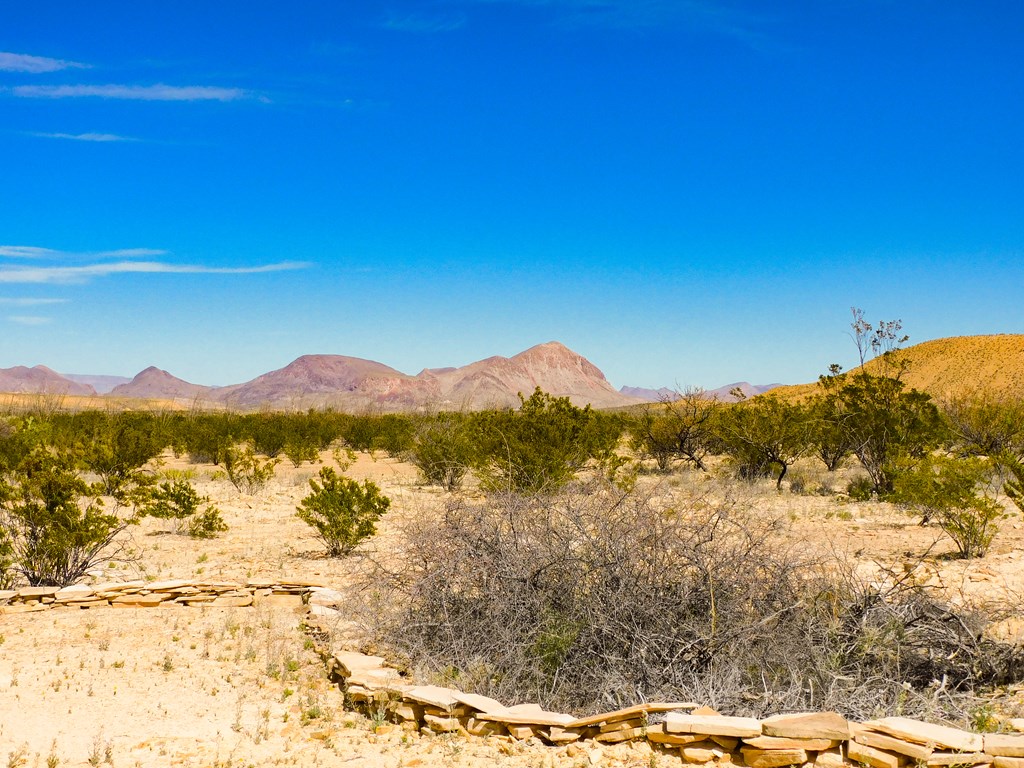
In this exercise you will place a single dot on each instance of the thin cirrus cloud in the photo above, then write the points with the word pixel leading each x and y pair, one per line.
pixel 26 301
pixel 29 319
pixel 82 274
pixel 23 62
pixel 157 92
pixel 94 137
pixel 35 252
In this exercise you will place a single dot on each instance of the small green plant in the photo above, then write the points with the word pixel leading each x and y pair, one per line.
pixel 343 511
pixel 178 501
pixel 246 471
pixel 946 489
pixel 860 488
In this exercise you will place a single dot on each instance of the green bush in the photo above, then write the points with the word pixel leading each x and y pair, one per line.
pixel 54 521
pixel 763 433
pixel 178 501
pixel 946 489
pixel 343 511
pixel 445 448
pixel 246 471
pixel 544 444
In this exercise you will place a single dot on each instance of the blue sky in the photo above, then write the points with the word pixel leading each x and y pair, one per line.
pixel 687 192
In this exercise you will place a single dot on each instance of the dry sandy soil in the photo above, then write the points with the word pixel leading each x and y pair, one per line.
pixel 241 686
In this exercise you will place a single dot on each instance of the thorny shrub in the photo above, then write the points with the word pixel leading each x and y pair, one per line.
pixel 598 598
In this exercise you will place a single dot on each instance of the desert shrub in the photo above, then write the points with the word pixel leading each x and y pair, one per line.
pixel 860 488
pixel 763 433
pixel 444 449
pixel 880 419
pixel 343 511
pixel 597 598
pixel 7 574
pixel 542 445
pixel 946 490
pixel 984 424
pixel 178 501
pixel 1014 487
pixel 54 520
pixel 118 448
pixel 247 471
pixel 677 429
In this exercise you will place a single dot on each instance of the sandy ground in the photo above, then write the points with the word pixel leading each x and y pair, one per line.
pixel 241 686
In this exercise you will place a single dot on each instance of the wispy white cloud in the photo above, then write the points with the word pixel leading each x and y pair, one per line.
pixel 35 252
pixel 415 22
pixel 23 62
pixel 29 302
pixel 81 274
pixel 158 92
pixel 29 319
pixel 98 137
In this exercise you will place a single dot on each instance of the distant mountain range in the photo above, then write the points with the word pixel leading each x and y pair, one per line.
pixel 722 394
pixel 352 383
pixel 941 367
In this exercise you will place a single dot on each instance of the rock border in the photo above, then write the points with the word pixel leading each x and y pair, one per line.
pixel 697 734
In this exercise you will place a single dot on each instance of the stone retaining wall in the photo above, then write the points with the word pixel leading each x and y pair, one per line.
pixel 150 594
pixel 695 733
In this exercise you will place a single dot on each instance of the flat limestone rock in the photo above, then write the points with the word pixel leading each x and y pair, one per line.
pixel 142 601
pixel 942 759
pixel 323 596
pixel 630 712
pixel 890 744
pixel 926 733
pixel 441 724
pixel 434 695
pixel 779 742
pixel 830 758
pixel 527 714
pixel 700 754
pixel 375 679
pixel 807 725
pixel 37 592
pixel 559 735
pixel 489 728
pixel 74 592
pixel 728 743
pixel 658 735
pixel 713 725
pixel 232 601
pixel 7 594
pixel 1008 762
pixel 477 702
pixel 773 758
pixel 1004 745
pixel 351 661
pixel 876 758
pixel 168 585
pixel 619 736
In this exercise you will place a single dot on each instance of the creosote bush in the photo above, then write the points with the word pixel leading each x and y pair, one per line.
pixel 597 598
pixel 54 521
pixel 247 471
pixel 342 510
pixel 177 500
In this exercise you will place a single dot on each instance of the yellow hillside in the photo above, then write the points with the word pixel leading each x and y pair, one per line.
pixel 954 366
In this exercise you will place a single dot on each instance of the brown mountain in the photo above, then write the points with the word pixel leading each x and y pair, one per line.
pixel 40 380
pixel 496 381
pixel 352 383
pixel 316 380
pixel 156 384
pixel 954 366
